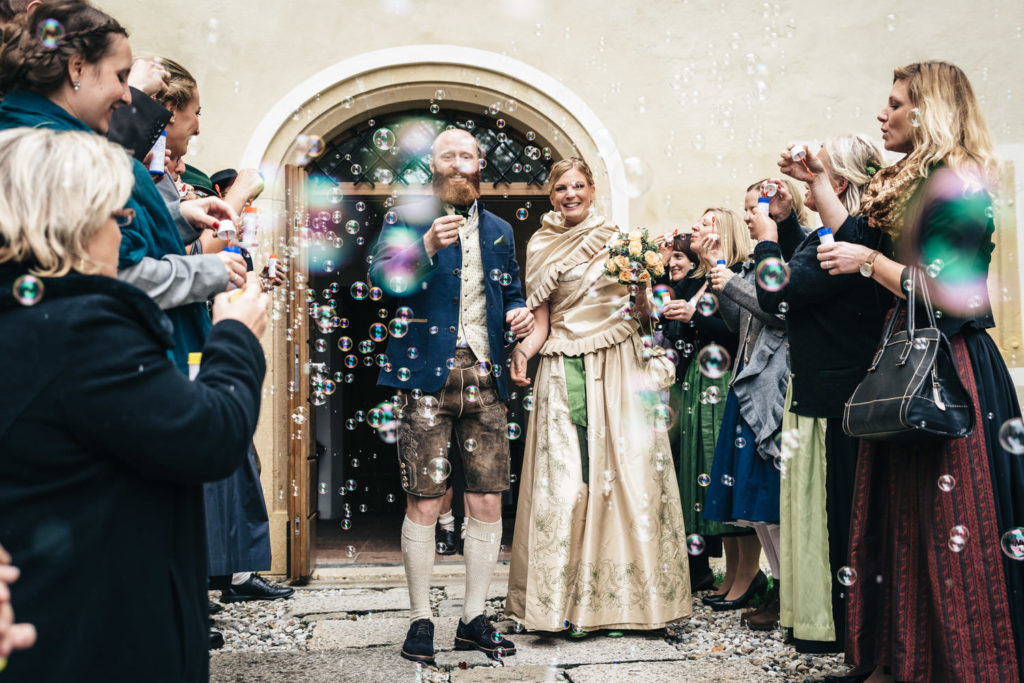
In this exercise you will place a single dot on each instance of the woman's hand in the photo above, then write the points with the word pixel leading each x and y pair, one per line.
pixel 12 636
pixel 796 169
pixel 248 306
pixel 679 309
pixel 842 258
pixel 781 205
pixel 708 250
pixel 518 368
pixel 763 228
pixel 207 212
pixel 720 275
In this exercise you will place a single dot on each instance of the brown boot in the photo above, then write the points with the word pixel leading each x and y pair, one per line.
pixel 766 618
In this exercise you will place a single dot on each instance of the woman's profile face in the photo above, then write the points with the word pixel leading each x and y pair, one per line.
pixel 895 118
pixel 705 226
pixel 750 206
pixel 572 195
pixel 103 86
pixel 184 124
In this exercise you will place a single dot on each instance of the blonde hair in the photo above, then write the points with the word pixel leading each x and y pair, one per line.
pixel 57 190
pixel 733 238
pixel 952 128
pixel 857 158
pixel 560 168
pixel 181 85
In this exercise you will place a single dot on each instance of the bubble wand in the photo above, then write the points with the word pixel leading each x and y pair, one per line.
pixel 800 154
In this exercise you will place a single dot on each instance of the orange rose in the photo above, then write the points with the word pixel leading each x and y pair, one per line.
pixel 636 247
pixel 611 266
pixel 651 258
pixel 635 235
pixel 645 276
pixel 622 262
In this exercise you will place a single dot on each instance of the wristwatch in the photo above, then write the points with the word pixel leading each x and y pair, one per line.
pixel 867 269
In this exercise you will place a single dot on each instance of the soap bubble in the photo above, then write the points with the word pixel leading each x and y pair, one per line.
pixel 404 374
pixel 496 274
pixel 783 307
pixel 385 177
pixel 947 482
pixel 351 361
pixel 391 218
pixel 346 524
pixel 935 267
pixel 359 290
pixel 513 430
pixel 522 214
pixel 469 445
pixel 50 33
pixel 772 274
pixel 28 290
pixel 352 227
pixel 439 469
pixel 639 176
pixel 320 345
pixel 356 169
pixel 740 442
pixel 713 361
pixel 404 313
pixel 351 485
pixel 384 138
pixel 472 393
pixel 707 304
pixel 335 195
pixel 704 479
pixel 366 346
pixel 712 395
pixel 376 293
pixel 381 361
pixel 413 352
pixel 728 480
pixel 528 402
pixel 662 417
pixel 847 576
pixel 398 328
pixel 959 534
pixel 505 279
pixel 378 332
pixel 350 424
pixel 1012 544
pixel 914 118
pixel 1011 436
pixel 695 544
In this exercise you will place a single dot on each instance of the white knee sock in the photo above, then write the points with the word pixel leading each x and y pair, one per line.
pixel 447 521
pixel 483 540
pixel 418 558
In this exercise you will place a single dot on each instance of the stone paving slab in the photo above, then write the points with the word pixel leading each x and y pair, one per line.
pixel 657 672
pixel 329 635
pixel 535 674
pixel 348 665
pixel 559 651
pixel 351 600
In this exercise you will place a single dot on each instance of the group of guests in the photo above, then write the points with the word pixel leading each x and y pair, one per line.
pixel 125 484
pixel 132 378
pixel 768 328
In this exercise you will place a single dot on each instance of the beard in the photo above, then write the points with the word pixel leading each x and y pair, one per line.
pixel 462 194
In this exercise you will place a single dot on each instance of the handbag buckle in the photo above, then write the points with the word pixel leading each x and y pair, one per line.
pixel 906 353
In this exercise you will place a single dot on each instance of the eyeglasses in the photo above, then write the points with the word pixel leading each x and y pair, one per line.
pixel 124 217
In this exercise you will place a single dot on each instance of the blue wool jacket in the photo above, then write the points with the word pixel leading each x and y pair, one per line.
pixel 431 288
pixel 151 234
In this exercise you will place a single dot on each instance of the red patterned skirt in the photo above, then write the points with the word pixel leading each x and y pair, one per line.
pixel 921 607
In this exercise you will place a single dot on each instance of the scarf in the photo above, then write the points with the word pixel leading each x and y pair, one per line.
pixel 556 248
pixel 884 202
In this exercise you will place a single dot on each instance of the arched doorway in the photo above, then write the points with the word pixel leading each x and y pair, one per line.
pixel 507 103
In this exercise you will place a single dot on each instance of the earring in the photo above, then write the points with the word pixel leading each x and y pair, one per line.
pixel 172 120
pixel 77 85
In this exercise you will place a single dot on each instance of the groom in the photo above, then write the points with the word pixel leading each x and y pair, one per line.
pixel 449 259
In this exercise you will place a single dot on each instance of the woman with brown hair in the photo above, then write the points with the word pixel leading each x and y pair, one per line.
pixel 599 539
pixel 930 595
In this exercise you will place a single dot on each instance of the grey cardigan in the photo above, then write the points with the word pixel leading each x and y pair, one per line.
pixel 760 386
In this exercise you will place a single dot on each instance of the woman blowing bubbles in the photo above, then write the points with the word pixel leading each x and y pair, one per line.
pixel 933 598
pixel 599 539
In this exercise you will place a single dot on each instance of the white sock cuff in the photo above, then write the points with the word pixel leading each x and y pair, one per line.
pixel 487 532
pixel 446 518
pixel 417 532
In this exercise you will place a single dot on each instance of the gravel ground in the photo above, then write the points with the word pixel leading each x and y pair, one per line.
pixel 713 637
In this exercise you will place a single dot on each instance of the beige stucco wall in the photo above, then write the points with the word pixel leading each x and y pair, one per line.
pixel 705 94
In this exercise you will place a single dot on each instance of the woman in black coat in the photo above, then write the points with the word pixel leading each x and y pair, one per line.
pixel 104 444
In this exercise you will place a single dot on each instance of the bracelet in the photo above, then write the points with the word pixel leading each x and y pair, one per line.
pixel 521 351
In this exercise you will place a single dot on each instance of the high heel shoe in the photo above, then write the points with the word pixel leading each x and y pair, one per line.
pixel 757 583
pixel 713 598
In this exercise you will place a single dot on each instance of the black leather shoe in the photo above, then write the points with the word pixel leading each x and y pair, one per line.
pixel 216 640
pixel 480 635
pixel 713 598
pixel 445 541
pixel 419 642
pixel 848 677
pixel 215 608
pixel 256 588
pixel 757 584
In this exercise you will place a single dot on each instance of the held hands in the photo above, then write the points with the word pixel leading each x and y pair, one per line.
pixel 517 368
pixel 679 309
pixel 12 636
pixel 796 169
pixel 443 232
pixel 842 258
pixel 248 306
pixel 206 212
pixel 520 321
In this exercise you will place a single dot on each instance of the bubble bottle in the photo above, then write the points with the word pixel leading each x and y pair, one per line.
pixel 156 164
pixel 799 153
pixel 272 266
pixel 825 236
pixel 250 224
pixel 226 230
pixel 768 190
pixel 234 249
pixel 194 360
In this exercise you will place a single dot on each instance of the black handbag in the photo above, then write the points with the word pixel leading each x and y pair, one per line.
pixel 911 392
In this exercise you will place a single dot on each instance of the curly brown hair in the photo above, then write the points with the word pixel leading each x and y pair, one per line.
pixel 26 62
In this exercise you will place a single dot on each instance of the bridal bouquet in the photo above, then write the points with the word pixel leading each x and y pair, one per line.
pixel 633 259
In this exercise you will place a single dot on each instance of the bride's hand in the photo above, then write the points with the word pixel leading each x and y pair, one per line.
pixel 517 369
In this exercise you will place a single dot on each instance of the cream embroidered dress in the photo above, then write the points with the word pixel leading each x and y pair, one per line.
pixel 599 539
